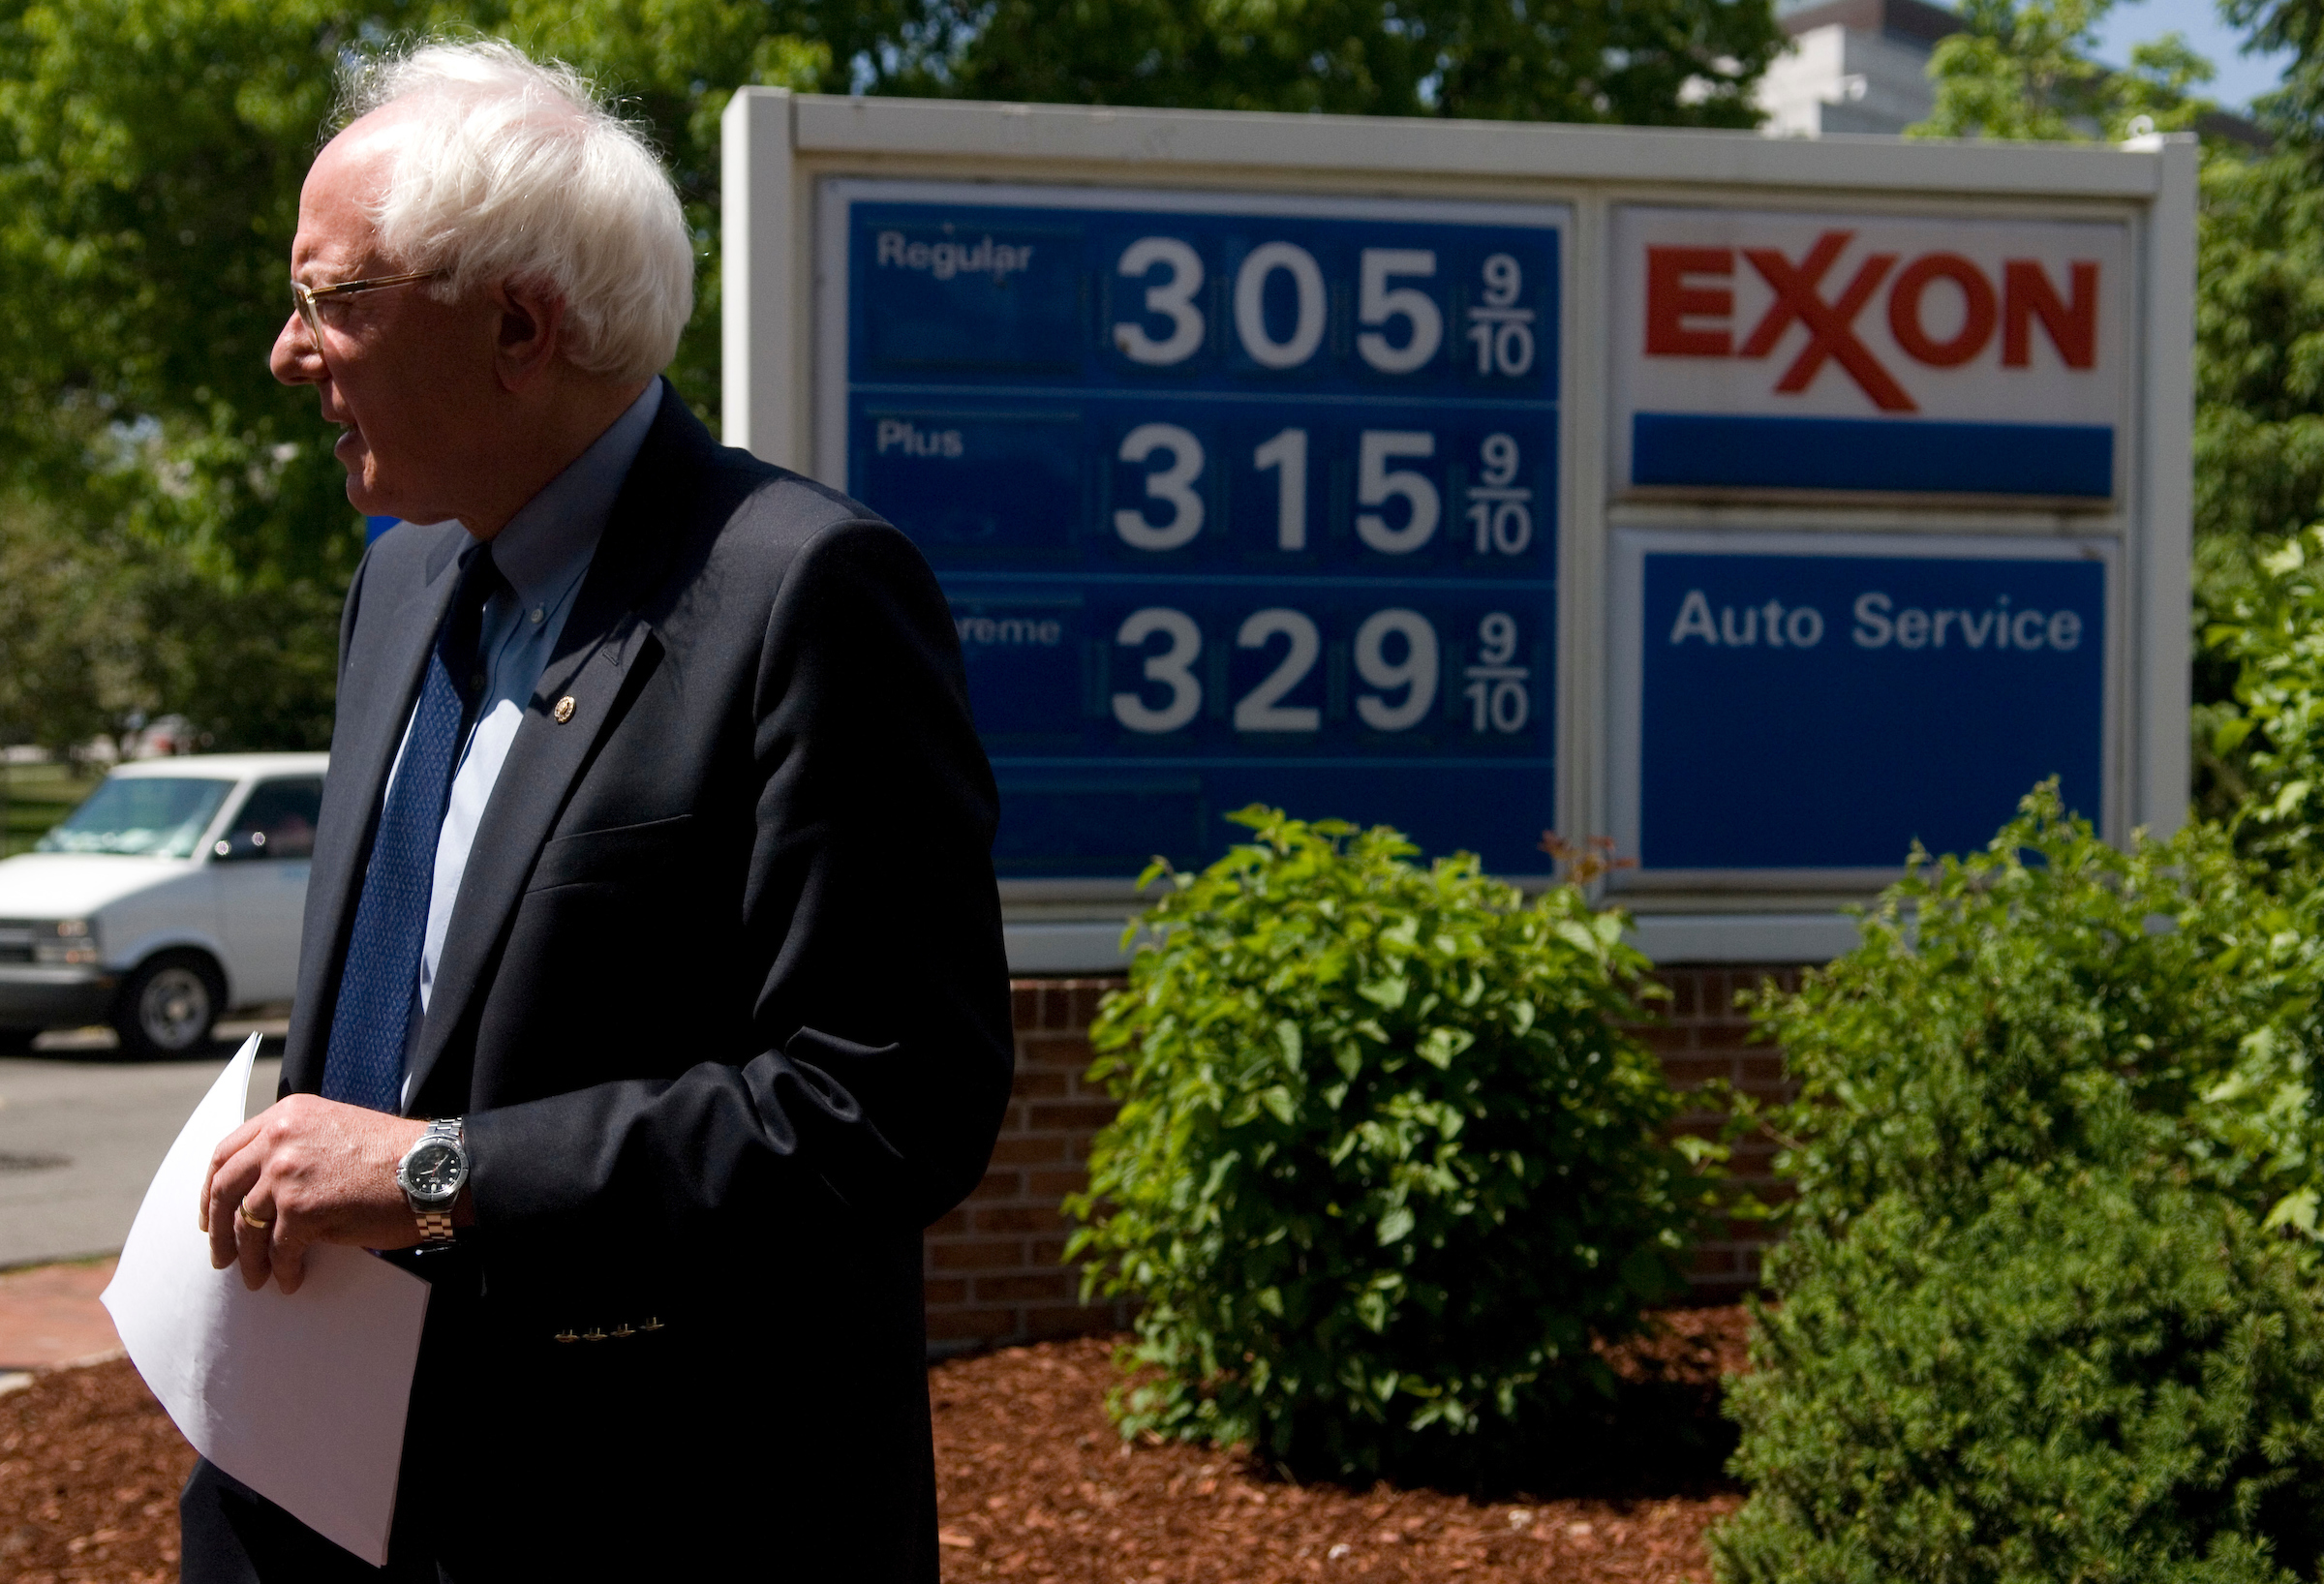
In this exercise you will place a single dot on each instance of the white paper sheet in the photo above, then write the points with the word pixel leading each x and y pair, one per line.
pixel 302 1398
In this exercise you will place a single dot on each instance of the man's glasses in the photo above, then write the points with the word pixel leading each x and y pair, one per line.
pixel 304 297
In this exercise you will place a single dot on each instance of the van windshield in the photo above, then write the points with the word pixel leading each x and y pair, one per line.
pixel 149 816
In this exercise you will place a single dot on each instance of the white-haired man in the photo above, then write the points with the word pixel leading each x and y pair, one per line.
pixel 654 869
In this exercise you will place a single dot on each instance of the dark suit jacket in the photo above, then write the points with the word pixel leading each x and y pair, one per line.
pixel 726 1007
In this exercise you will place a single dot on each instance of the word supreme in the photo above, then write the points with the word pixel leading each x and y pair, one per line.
pixel 1690 315
pixel 1879 622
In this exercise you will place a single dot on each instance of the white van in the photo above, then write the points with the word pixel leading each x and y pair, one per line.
pixel 173 893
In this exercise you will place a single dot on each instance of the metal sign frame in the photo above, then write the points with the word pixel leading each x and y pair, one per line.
pixel 780 149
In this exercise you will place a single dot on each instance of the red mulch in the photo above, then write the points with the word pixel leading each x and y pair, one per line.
pixel 89 1473
pixel 1035 1485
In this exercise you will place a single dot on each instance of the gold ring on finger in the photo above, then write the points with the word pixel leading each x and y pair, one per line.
pixel 243 1215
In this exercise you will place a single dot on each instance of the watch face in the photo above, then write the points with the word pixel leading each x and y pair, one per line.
pixel 433 1170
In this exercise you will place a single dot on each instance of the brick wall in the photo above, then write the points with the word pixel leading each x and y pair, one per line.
pixel 1703 1036
pixel 992 1266
pixel 993 1270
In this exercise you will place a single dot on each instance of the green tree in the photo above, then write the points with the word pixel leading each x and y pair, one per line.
pixel 103 630
pixel 2259 397
pixel 77 656
pixel 2260 324
pixel 2259 413
pixel 2295 110
pixel 2022 69
pixel 1659 62
pixel 151 153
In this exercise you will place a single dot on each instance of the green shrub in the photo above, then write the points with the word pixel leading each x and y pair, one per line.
pixel 2100 1376
pixel 1384 1164
pixel 2032 1323
pixel 2269 745
pixel 1994 999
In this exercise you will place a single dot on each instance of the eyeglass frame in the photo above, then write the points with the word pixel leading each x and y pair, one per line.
pixel 303 296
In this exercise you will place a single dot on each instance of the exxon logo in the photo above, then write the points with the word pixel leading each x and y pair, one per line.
pixel 1688 314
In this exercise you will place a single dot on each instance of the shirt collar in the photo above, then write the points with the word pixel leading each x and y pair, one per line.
pixel 549 542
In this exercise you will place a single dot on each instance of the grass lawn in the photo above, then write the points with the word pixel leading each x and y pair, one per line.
pixel 35 797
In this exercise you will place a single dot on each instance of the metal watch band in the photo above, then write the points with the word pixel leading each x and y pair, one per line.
pixel 435 1225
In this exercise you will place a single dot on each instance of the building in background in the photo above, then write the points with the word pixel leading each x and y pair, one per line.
pixel 1859 66
pixel 1862 66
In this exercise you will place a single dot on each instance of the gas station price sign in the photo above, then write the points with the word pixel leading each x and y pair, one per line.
pixel 1763 506
pixel 1236 499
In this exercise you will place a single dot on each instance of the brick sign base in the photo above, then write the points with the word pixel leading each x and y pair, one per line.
pixel 994 1270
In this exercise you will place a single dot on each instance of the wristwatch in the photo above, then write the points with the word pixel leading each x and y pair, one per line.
pixel 431 1175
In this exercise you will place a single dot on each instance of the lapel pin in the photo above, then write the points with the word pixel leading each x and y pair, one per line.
pixel 564 709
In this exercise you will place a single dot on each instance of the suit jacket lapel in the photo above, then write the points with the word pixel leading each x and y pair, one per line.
pixel 375 705
pixel 598 652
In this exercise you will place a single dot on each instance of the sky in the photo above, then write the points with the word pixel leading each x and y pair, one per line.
pixel 2242 77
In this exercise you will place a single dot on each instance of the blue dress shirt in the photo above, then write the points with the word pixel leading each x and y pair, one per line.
pixel 543 553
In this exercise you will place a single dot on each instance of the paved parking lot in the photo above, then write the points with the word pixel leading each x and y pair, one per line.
pixel 82 1131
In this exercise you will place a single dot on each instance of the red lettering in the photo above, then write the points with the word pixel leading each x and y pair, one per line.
pixel 1671 302
pixel 2026 296
pixel 1830 325
pixel 1977 319
pixel 1809 270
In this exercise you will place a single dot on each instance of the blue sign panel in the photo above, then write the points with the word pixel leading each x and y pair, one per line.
pixel 1818 710
pixel 1235 501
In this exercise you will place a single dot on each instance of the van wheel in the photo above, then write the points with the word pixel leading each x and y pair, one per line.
pixel 169 1006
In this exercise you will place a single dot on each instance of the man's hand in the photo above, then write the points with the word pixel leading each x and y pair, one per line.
pixel 315 1172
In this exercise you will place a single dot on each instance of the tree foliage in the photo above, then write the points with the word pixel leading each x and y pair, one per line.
pixel 2259 367
pixel 2270 623
pixel 1384 1165
pixel 1659 62
pixel 151 153
pixel 146 209
pixel 104 630
pixel 2023 68
pixel 2295 110
pixel 77 654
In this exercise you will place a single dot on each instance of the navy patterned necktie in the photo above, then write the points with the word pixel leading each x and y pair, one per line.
pixel 378 986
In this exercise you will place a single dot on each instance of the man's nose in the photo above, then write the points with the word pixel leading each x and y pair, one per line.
pixel 294 359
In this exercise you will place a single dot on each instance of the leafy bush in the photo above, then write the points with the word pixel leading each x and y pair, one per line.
pixel 1995 999
pixel 2102 1375
pixel 1384 1164
pixel 2272 624
pixel 2031 1324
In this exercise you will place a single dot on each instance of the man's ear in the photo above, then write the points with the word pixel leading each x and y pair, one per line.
pixel 529 335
